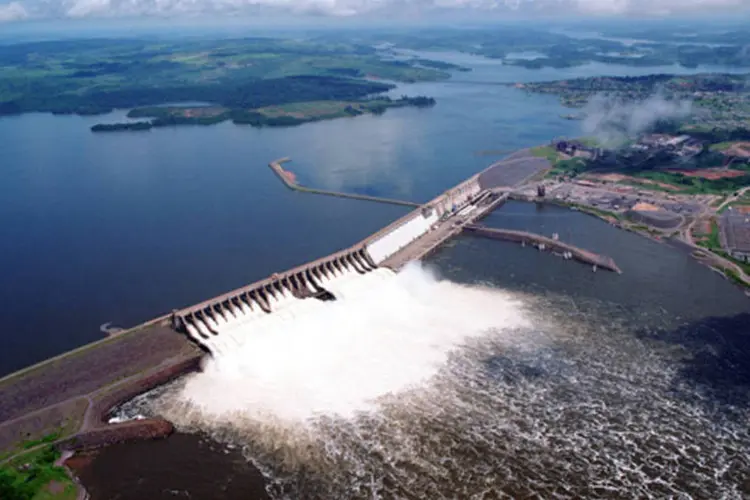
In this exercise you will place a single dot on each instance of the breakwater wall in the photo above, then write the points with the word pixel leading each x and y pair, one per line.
pixel 103 404
pixel 96 432
pixel 289 181
pixel 551 244
pixel 133 430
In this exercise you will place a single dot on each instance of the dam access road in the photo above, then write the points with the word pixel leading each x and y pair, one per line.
pixel 72 394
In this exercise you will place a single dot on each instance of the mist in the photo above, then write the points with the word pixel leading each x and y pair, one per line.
pixel 338 358
pixel 612 121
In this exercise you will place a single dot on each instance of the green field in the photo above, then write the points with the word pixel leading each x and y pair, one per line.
pixel 34 476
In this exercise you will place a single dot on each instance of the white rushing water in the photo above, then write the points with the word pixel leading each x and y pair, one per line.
pixel 413 387
pixel 385 334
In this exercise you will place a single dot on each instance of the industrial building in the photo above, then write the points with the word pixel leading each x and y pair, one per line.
pixel 654 216
pixel 735 232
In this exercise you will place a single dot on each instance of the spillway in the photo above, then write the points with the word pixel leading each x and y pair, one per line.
pixel 225 325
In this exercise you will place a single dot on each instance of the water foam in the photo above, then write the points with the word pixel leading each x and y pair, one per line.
pixel 436 390
pixel 340 357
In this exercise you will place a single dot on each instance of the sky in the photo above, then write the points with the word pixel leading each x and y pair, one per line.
pixel 24 10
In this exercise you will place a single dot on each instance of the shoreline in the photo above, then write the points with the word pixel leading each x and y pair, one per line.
pixel 705 257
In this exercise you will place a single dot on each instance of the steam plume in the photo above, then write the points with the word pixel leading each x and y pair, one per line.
pixel 612 121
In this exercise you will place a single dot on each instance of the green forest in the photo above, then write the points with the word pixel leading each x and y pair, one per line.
pixel 97 76
pixel 289 114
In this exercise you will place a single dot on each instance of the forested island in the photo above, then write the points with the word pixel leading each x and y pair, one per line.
pixel 284 115
pixel 118 127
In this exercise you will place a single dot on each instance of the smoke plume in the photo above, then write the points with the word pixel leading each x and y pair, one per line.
pixel 612 121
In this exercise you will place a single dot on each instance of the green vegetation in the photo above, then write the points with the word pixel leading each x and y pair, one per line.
pixel 96 76
pixel 653 163
pixel 692 185
pixel 734 277
pixel 537 47
pixel 283 115
pixel 547 151
pixel 48 438
pixel 429 63
pixel 115 127
pixel 604 214
pixel 599 213
pixel 570 168
pixel 712 240
pixel 34 476
pixel 721 146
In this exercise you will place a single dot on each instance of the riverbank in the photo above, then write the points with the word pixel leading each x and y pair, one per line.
pixel 64 402
pixel 702 255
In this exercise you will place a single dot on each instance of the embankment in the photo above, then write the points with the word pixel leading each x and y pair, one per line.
pixel 134 430
pixel 95 432
pixel 577 253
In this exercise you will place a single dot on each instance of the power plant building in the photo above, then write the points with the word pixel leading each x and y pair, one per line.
pixel 735 232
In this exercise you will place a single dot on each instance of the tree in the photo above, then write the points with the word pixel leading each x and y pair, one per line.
pixel 12 487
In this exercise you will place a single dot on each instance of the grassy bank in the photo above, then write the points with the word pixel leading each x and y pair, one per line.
pixel 34 475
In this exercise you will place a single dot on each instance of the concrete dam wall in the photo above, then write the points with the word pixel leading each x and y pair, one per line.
pixel 218 324
pixel 207 322
pixel 382 248
pixel 411 227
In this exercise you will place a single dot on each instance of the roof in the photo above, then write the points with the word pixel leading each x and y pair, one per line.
pixel 736 229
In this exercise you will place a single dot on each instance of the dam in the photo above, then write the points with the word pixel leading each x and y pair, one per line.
pixel 76 389
pixel 215 324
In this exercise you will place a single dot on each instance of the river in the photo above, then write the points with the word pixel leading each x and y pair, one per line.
pixel 590 383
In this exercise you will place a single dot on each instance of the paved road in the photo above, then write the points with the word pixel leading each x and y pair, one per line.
pixel 733 198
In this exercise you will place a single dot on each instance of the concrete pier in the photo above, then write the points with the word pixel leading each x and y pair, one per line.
pixel 289 181
pixel 550 244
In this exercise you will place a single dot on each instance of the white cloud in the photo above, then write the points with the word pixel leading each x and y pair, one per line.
pixel 344 8
pixel 12 12
pixel 656 7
